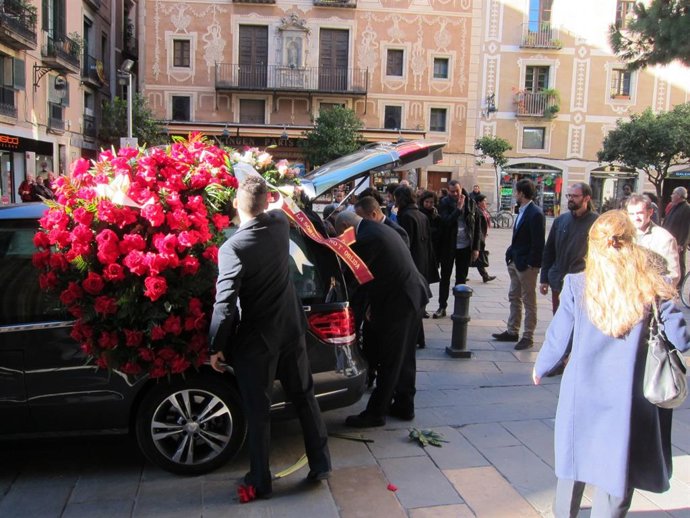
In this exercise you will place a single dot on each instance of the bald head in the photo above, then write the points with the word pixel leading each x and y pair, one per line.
pixel 345 220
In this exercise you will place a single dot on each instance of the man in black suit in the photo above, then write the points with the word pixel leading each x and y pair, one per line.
pixel 677 222
pixel 368 207
pixel 523 257
pixel 267 341
pixel 396 298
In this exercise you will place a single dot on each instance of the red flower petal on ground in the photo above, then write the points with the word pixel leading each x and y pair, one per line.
pixel 392 487
pixel 246 493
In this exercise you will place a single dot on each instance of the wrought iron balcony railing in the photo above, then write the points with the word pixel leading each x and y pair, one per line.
pixel 94 70
pixel 336 3
pixel 62 49
pixel 230 76
pixel 18 24
pixel 8 105
pixel 536 104
pixel 540 36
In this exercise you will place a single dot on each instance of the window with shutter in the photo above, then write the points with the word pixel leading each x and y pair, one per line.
pixel 392 117
pixel 181 108
pixel 252 111
pixel 253 54
pixel 19 74
pixel 394 62
pixel 437 119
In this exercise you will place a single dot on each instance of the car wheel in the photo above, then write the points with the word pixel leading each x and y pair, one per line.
pixel 191 427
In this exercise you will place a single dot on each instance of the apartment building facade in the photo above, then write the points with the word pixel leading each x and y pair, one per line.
pixel 259 72
pixel 552 87
pixel 58 62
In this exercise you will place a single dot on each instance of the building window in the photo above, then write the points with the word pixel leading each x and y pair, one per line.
pixel 437 119
pixel 324 107
pixel 181 108
pixel 440 68
pixel 392 117
pixel 252 111
pixel 394 62
pixel 620 83
pixel 181 53
pixel 533 138
pixel 536 78
pixel 539 14
pixel 624 8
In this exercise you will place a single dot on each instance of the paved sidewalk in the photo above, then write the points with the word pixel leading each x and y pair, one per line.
pixel 498 461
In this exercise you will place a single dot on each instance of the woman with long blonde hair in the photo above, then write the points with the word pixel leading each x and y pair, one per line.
pixel 607 434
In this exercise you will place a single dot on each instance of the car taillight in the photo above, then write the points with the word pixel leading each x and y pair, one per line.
pixel 333 327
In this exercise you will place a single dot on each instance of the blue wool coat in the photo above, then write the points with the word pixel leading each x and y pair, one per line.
pixel 607 434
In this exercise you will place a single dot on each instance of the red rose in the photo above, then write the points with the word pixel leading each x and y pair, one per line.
pixel 75 311
pixel 81 331
pixel 59 237
pixel 146 354
pixel 130 368
pixel 179 364
pixel 173 325
pixel 133 338
pixel 80 168
pixel 156 287
pixel 157 333
pixel 102 361
pixel 136 262
pixel 108 340
pixel 156 263
pixel 83 216
pixel 166 353
pixel 211 253
pixel 93 284
pixel 86 348
pixel 154 213
pixel 165 243
pixel 41 240
pixel 47 280
pixel 195 306
pixel 41 259
pixel 188 238
pixel 158 369
pixel 220 221
pixel 59 262
pixel 70 295
pixel 107 253
pixel 132 242
pixel 106 211
pixel 190 265
pixel 114 273
pixel 105 305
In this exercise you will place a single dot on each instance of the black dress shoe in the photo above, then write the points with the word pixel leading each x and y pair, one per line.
pixel 421 346
pixel 524 343
pixel 505 336
pixel 400 413
pixel 488 278
pixel 263 493
pixel 426 315
pixel 364 420
pixel 316 476
pixel 439 313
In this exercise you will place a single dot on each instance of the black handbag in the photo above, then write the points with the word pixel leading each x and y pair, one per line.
pixel 481 260
pixel 665 384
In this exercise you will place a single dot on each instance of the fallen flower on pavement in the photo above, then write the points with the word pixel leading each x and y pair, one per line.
pixel 392 487
pixel 246 493
pixel 427 437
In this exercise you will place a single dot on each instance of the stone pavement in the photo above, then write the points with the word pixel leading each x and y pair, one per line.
pixel 498 461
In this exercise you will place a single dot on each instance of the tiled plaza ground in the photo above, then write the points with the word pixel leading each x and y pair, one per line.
pixel 498 461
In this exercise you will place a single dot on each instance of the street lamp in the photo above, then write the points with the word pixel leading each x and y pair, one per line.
pixel 126 69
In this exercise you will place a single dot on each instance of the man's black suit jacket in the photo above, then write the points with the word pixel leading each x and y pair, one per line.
pixel 527 247
pixel 253 266
pixel 396 278
pixel 678 223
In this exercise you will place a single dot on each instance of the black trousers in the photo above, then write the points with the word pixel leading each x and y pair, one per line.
pixel 256 368
pixel 461 260
pixel 397 362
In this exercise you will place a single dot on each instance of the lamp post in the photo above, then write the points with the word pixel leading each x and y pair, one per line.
pixel 126 69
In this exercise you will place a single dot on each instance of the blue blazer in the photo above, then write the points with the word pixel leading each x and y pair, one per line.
pixel 527 246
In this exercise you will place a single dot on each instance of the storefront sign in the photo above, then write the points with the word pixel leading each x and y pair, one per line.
pixel 260 142
pixel 9 142
pixel 679 174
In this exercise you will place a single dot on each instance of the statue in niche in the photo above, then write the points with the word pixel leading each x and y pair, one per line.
pixel 214 47
pixel 294 53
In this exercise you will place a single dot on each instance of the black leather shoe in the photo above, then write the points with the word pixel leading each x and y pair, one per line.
pixel 524 343
pixel 263 493
pixel 505 336
pixel 364 420
pixel 488 278
pixel 316 476
pixel 421 346
pixel 439 313
pixel 426 315
pixel 400 413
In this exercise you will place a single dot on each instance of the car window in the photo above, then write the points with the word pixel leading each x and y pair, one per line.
pixel 21 299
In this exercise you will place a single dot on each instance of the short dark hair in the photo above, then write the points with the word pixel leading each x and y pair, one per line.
pixel 637 199
pixel 391 187
pixel 372 192
pixel 404 196
pixel 251 195
pixel 426 195
pixel 453 183
pixel 526 187
pixel 480 198
pixel 368 204
pixel 651 196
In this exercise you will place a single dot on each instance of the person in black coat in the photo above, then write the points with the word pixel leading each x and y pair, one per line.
pixel 459 240
pixel 396 296
pixel 677 222
pixel 268 340
pixel 428 206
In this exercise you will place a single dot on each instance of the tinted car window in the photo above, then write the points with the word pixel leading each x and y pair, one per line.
pixel 21 299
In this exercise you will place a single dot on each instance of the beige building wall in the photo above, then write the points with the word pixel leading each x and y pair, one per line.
pixel 582 69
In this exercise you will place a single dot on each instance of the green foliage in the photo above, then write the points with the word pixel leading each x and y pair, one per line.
pixel 144 126
pixel 494 148
pixel 650 142
pixel 426 437
pixel 656 33
pixel 337 133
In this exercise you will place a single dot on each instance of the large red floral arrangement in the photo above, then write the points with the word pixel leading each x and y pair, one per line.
pixel 130 245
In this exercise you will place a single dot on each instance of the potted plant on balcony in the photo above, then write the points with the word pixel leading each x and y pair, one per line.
pixel 553 102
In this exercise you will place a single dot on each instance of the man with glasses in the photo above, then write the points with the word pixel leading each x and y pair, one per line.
pixel 566 246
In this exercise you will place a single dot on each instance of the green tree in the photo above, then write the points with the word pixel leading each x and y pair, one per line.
pixel 494 148
pixel 654 34
pixel 336 133
pixel 144 126
pixel 650 142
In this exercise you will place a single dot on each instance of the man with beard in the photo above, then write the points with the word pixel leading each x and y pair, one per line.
pixel 566 246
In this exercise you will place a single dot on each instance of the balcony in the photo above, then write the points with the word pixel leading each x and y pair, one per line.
pixel 8 105
pixel 131 46
pixel 544 104
pixel 18 25
pixel 93 72
pixel 56 117
pixel 90 129
pixel 336 3
pixel 540 36
pixel 274 78
pixel 61 52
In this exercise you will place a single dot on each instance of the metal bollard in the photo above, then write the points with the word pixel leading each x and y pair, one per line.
pixel 460 318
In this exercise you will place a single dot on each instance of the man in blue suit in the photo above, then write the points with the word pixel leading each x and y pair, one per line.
pixel 523 258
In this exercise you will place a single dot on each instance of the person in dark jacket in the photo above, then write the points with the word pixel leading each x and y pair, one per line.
pixel 267 338
pixel 368 208
pixel 606 433
pixel 523 258
pixel 566 246
pixel 428 205
pixel 397 296
pixel 484 221
pixel 677 222
pixel 459 240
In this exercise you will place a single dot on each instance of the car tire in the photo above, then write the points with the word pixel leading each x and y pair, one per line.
pixel 193 426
